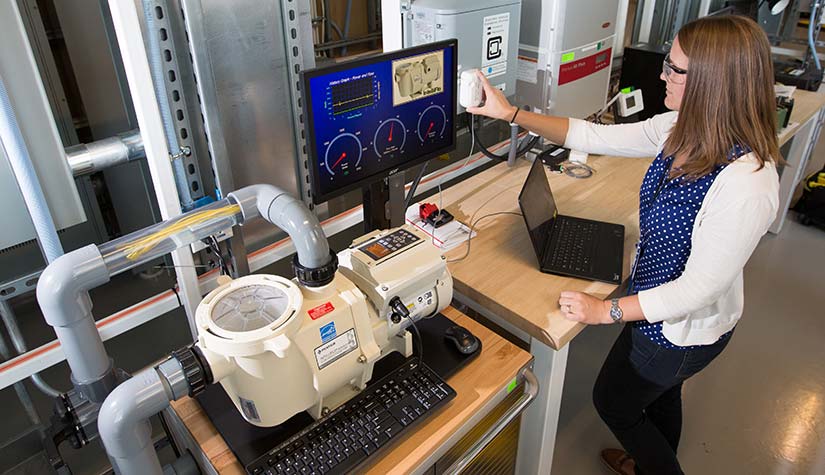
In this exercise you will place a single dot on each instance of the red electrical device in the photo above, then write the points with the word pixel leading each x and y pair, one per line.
pixel 432 215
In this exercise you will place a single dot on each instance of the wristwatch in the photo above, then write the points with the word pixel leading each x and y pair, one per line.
pixel 615 312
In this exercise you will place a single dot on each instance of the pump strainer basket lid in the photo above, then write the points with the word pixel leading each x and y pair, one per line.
pixel 250 308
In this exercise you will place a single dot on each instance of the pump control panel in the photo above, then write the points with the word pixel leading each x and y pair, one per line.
pixel 386 245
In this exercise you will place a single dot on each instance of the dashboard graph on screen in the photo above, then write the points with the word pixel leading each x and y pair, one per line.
pixel 373 117
pixel 353 94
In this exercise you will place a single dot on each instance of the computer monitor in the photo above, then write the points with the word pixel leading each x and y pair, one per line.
pixel 370 118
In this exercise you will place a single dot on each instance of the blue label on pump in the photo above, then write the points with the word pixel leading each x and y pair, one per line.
pixel 328 332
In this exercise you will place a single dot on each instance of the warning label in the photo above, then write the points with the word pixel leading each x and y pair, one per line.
pixel 327 353
pixel 320 311
pixel 494 44
pixel 423 26
pixel 421 303
pixel 528 70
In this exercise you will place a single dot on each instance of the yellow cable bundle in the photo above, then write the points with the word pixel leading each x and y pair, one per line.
pixel 134 250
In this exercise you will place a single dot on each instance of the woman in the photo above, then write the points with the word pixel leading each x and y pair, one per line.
pixel 705 202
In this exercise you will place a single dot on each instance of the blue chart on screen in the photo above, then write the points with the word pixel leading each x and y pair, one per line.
pixel 379 116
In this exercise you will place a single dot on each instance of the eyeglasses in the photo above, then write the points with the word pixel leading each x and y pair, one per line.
pixel 673 73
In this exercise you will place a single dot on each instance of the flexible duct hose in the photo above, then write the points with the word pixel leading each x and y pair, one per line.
pixel 11 139
pixel 15 147
pixel 159 85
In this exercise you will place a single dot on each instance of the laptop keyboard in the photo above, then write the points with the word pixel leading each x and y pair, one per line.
pixel 572 246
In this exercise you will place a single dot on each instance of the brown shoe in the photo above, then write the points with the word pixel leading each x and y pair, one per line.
pixel 619 462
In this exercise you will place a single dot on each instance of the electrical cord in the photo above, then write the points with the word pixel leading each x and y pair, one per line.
pixel 466 162
pixel 472 227
pixel 401 310
pixel 458 171
pixel 419 345
pixel 415 183
pixel 216 250
pixel 577 170
pixel 523 147
pixel 479 209
pixel 414 186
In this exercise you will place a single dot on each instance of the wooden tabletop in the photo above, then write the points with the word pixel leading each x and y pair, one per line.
pixel 502 274
pixel 476 384
pixel 806 105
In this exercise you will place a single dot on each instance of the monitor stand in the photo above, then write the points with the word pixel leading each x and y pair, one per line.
pixel 384 203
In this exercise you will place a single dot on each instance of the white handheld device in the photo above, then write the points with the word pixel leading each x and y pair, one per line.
pixel 470 89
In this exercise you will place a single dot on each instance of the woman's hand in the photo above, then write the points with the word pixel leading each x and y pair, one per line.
pixel 495 104
pixel 584 308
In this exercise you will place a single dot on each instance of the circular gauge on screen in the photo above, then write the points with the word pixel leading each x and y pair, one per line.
pixel 390 137
pixel 431 124
pixel 343 154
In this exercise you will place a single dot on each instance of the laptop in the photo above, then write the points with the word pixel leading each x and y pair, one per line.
pixel 566 245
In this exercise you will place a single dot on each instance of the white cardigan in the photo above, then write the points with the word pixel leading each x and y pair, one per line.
pixel 706 301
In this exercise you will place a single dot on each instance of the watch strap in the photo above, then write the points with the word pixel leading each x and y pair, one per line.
pixel 615 311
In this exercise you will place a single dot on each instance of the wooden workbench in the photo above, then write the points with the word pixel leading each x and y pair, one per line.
pixel 806 105
pixel 501 273
pixel 476 385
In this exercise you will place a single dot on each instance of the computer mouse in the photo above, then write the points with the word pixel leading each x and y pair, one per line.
pixel 464 341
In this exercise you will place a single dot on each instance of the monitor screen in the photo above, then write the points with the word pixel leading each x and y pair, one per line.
pixel 373 117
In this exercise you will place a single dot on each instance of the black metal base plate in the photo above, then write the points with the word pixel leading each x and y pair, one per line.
pixel 248 442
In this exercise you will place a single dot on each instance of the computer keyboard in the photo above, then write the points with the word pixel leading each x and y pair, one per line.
pixel 360 428
pixel 572 245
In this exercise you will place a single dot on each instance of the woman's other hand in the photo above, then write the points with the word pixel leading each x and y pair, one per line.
pixel 584 308
pixel 495 104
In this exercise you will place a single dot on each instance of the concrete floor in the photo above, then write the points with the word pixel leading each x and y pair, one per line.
pixel 760 407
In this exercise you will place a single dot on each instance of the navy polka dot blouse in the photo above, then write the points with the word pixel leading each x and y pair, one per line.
pixel 667 212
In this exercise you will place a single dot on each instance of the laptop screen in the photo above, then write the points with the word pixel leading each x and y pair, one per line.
pixel 538 207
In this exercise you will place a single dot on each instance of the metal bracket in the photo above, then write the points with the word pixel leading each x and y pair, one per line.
pixel 177 99
pixel 297 21
pixel 20 286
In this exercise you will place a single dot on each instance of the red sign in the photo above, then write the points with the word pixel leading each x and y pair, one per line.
pixel 320 311
pixel 583 67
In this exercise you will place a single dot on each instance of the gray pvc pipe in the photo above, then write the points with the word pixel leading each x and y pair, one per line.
pixel 101 154
pixel 11 139
pixel 63 296
pixel 123 421
pixel 290 214
pixel 512 153
pixel 159 85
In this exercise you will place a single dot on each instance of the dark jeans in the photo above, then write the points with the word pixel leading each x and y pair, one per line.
pixel 638 394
